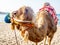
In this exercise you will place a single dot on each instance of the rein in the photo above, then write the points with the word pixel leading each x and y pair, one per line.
pixel 24 23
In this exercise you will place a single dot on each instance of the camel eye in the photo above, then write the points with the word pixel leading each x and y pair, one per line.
pixel 15 13
pixel 26 10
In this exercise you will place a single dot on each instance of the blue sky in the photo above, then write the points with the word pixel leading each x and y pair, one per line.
pixel 11 5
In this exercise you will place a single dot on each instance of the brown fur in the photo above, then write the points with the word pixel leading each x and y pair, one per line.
pixel 42 27
pixel 51 27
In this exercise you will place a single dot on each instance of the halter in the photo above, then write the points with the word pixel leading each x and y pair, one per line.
pixel 28 24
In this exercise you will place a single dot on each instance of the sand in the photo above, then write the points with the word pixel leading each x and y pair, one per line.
pixel 7 36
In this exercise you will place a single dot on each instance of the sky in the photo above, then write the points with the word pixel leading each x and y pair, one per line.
pixel 12 5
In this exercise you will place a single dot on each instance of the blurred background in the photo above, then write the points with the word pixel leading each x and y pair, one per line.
pixel 7 6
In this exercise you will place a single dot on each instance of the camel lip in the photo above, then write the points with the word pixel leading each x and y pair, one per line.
pixel 21 20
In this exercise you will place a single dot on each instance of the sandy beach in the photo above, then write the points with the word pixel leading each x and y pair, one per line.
pixel 7 36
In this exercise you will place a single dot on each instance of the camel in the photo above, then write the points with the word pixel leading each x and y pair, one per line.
pixel 36 31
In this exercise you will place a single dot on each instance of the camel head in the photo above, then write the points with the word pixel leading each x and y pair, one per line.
pixel 24 13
